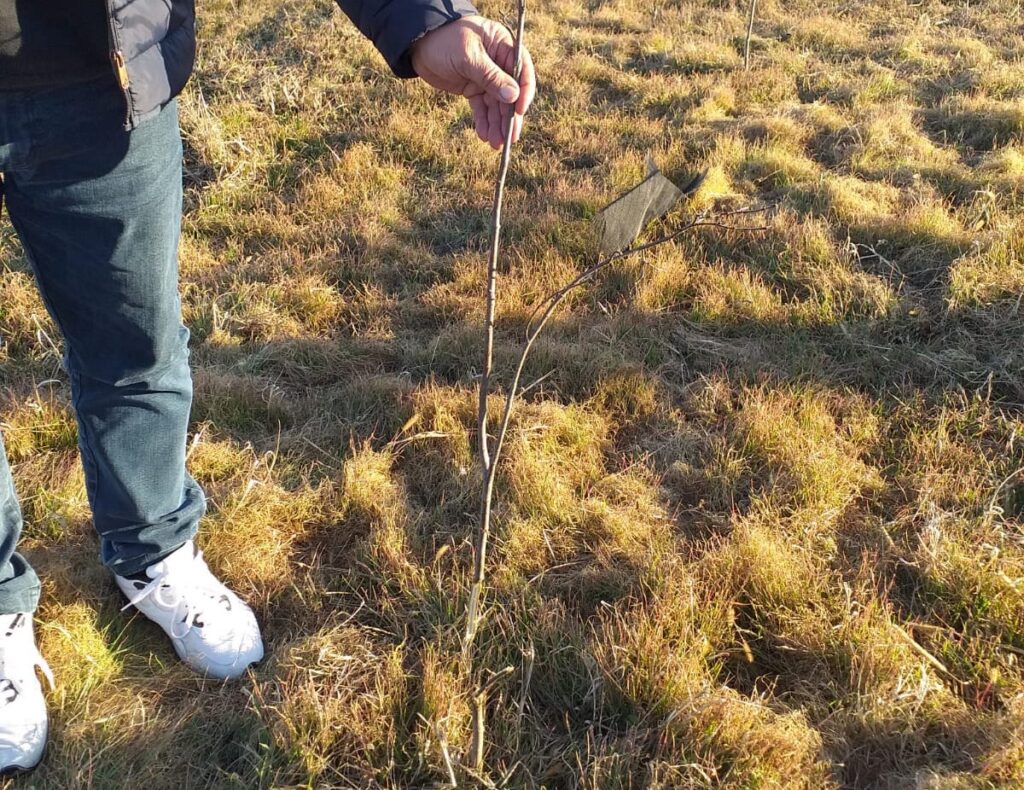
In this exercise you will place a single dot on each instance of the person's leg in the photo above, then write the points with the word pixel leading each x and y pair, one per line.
pixel 98 213
pixel 19 585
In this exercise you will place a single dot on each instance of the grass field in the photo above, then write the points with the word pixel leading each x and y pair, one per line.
pixel 761 524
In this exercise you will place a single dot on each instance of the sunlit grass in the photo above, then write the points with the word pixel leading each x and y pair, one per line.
pixel 757 522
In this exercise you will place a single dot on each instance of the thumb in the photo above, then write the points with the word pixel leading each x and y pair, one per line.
pixel 491 78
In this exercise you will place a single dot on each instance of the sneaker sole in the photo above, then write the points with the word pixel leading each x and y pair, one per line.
pixel 12 771
pixel 206 674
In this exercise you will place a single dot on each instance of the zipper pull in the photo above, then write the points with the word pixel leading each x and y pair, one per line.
pixel 122 71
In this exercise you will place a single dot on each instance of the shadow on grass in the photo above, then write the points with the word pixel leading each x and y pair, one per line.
pixel 317 400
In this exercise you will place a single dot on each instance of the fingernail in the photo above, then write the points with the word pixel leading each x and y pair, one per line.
pixel 508 94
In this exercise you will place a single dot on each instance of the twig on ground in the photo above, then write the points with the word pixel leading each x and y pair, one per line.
pixel 442 742
pixel 928 657
pixel 529 656
pixel 479 732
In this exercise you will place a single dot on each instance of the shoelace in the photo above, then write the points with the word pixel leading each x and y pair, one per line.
pixel 11 688
pixel 195 581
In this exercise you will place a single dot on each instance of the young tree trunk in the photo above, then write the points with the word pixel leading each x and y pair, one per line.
pixel 486 459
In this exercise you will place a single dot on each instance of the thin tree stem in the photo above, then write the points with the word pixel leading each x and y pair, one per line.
pixel 486 461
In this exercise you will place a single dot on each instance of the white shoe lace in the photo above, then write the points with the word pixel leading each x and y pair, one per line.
pixel 194 586
pixel 12 688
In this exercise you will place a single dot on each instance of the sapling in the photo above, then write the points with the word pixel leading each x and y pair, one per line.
pixel 490 449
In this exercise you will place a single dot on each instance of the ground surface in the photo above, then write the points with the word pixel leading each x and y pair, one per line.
pixel 761 523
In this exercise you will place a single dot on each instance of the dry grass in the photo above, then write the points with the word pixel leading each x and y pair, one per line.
pixel 760 524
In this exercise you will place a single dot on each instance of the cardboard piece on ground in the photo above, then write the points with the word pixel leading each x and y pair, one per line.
pixel 621 222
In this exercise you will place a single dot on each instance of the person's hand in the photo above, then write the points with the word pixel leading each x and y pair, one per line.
pixel 474 57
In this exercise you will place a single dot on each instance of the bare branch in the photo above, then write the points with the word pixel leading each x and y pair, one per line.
pixel 546 309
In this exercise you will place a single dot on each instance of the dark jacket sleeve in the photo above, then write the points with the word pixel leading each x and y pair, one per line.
pixel 394 25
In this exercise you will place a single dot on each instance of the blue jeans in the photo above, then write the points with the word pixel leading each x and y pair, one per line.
pixel 98 212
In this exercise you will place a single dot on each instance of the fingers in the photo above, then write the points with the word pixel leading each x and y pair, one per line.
pixel 490 119
pixel 479 108
pixel 503 52
pixel 496 97
pixel 502 49
pixel 516 128
pixel 486 74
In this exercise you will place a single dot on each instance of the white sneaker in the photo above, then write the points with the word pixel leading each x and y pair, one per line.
pixel 211 629
pixel 23 723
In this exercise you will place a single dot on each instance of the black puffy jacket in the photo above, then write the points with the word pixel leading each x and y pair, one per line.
pixel 153 42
